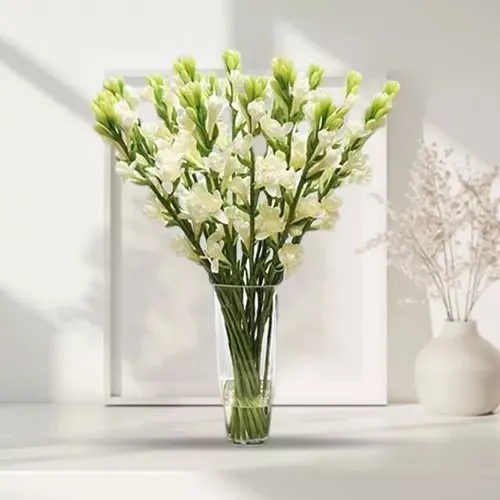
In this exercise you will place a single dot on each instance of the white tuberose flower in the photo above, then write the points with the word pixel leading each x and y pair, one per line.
pixel 355 128
pixel 181 246
pixel 271 172
pixel 329 213
pixel 148 93
pixel 327 165
pixel 126 115
pixel 325 140
pixel 132 96
pixel 154 209
pixel 240 221
pixel 273 129
pixel 290 256
pixel 127 171
pixel 185 144
pixel 257 110
pixel 215 104
pixel 241 187
pixel 359 166
pixel 300 92
pixel 199 204
pixel 307 208
pixel 215 245
pixel 242 144
pixel 168 165
pixel 237 79
pixel 299 151
pixel 268 223
pixel 215 162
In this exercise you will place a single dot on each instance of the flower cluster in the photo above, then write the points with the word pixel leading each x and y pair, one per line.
pixel 448 237
pixel 241 213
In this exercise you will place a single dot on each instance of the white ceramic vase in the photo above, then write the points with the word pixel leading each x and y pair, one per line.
pixel 458 373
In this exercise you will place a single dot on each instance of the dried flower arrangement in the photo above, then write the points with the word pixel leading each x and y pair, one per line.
pixel 448 237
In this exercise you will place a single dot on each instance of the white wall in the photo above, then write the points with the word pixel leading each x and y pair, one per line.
pixel 53 55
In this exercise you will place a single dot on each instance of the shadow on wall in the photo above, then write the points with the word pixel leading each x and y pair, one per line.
pixel 25 353
pixel 35 74
pixel 409 324
pixel 164 323
pixel 26 337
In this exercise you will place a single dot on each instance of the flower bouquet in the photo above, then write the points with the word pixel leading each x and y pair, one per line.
pixel 227 167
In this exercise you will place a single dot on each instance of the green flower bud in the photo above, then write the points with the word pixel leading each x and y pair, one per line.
pixel 249 87
pixel 315 81
pixel 278 71
pixel 353 79
pixel 184 76
pixel 191 95
pixel 260 86
pixel 102 106
pixel 232 60
pixel 380 101
pixel 155 81
pixel 284 71
pixel 291 73
pixel 114 85
pixel 192 114
pixel 185 98
pixel 197 92
pixel 324 108
pixel 281 98
pixel 391 87
pixel 185 67
pixel 354 90
pixel 213 83
pixel 382 112
pixel 99 114
pixel 315 75
pixel 141 160
pixel 333 122
pixel 342 112
pixel 243 100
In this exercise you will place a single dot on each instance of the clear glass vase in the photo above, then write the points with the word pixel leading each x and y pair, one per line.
pixel 245 324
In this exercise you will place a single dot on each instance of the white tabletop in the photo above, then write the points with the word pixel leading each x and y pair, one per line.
pixel 397 452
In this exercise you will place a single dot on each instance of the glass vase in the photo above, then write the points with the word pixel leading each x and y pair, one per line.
pixel 245 324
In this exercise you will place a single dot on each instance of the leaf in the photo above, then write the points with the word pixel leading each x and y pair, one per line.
pixel 102 130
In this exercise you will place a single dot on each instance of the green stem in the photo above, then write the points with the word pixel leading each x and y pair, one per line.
pixel 265 318
pixel 250 412
pixel 268 352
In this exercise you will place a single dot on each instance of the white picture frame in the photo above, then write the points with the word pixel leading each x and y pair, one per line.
pixel 370 388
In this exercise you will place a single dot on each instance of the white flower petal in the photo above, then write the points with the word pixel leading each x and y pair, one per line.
pixel 287 128
pixel 221 217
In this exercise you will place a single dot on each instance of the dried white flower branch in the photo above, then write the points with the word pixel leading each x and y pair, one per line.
pixel 448 237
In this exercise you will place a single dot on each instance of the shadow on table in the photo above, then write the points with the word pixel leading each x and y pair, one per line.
pixel 96 448
pixel 32 449
pixel 276 443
